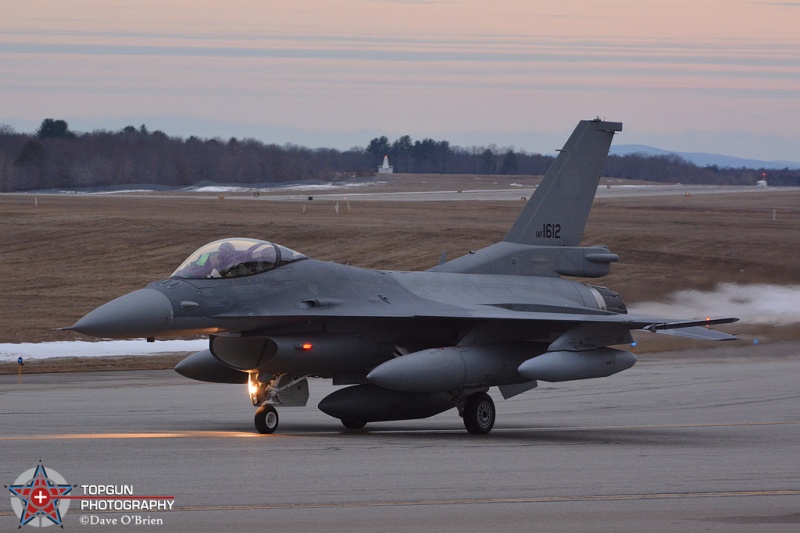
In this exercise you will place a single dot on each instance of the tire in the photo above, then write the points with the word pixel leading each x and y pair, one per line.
pixel 266 419
pixel 479 413
pixel 353 424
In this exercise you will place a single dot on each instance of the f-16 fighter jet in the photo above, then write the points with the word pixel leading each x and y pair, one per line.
pixel 406 345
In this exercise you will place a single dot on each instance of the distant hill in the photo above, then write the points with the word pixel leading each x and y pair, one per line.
pixel 703 159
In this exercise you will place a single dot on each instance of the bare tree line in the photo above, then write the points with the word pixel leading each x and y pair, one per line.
pixel 54 157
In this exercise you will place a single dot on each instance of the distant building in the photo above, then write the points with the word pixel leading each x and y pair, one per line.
pixel 385 168
pixel 761 183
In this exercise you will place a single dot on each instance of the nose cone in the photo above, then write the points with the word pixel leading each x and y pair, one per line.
pixel 142 313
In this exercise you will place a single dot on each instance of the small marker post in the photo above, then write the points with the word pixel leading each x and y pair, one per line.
pixel 19 370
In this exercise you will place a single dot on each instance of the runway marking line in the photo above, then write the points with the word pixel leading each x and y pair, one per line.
pixel 664 426
pixel 159 435
pixel 377 431
pixel 485 501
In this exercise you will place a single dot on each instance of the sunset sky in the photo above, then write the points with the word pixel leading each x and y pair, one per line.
pixel 702 75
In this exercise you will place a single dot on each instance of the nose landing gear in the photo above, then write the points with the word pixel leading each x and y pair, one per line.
pixel 267 390
pixel 266 419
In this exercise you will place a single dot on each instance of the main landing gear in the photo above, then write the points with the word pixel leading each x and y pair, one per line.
pixel 478 413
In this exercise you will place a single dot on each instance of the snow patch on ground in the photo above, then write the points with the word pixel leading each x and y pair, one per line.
pixel 307 187
pixel 48 350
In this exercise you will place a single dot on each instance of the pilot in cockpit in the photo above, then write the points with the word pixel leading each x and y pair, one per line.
pixel 227 262
pixel 233 258
pixel 213 264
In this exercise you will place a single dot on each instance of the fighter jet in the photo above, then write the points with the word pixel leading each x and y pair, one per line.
pixel 406 345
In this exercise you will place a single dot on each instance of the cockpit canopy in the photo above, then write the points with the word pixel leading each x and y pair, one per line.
pixel 234 258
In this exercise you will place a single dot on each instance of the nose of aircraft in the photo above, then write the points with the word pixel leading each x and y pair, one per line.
pixel 142 313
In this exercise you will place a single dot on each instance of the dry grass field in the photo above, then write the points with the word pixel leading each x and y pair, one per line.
pixel 63 255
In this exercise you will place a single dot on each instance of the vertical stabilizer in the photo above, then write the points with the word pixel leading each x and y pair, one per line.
pixel 544 241
pixel 556 213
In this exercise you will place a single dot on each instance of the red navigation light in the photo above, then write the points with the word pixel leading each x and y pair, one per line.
pixel 305 347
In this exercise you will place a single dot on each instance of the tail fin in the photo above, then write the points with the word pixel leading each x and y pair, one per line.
pixel 556 213
pixel 544 241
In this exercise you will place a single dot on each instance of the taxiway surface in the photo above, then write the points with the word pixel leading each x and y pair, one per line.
pixel 694 442
pixel 344 194
pixel 616 191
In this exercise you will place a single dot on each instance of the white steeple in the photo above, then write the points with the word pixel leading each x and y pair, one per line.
pixel 385 168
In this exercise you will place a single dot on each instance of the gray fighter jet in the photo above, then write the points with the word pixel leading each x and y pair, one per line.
pixel 408 344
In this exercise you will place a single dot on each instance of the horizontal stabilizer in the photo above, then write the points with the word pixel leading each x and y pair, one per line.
pixel 694 329
pixel 699 332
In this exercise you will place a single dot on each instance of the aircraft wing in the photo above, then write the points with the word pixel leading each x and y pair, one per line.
pixel 696 329
pixel 557 318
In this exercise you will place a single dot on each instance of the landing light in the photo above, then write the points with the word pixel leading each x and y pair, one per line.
pixel 305 347
pixel 252 387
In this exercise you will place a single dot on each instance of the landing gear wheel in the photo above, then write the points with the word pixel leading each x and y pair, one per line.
pixel 353 424
pixel 479 413
pixel 266 419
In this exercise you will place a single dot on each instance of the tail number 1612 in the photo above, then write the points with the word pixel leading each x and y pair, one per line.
pixel 549 231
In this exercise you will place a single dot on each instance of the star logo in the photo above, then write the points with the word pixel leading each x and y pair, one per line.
pixel 37 496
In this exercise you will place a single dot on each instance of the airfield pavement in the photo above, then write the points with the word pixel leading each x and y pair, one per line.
pixel 691 440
